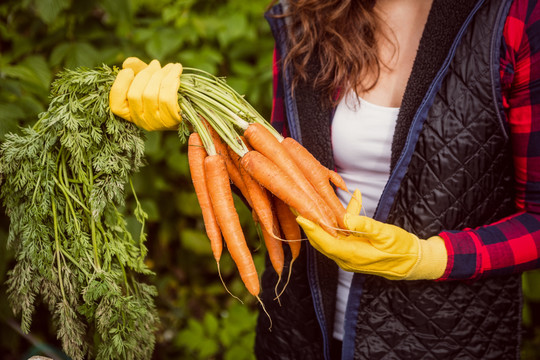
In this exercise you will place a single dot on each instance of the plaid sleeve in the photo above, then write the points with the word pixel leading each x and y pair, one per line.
pixel 278 119
pixel 511 245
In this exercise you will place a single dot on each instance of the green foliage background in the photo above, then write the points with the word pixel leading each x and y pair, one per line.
pixel 227 38
pixel 199 319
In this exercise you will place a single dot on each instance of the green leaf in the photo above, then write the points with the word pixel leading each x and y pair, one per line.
pixel 237 352
pixel 187 203
pixel 48 10
pixel 59 53
pixel 163 43
pixel 120 10
pixel 9 113
pixel 177 162
pixel 192 336
pixel 240 84
pixel 205 26
pixel 208 348
pixel 211 324
pixel 142 35
pixel 40 68
pixel 234 27
pixel 206 58
pixel 74 55
pixel 152 145
pixel 243 69
pixel 9 116
pixel 32 70
pixel 151 209
pixel 195 241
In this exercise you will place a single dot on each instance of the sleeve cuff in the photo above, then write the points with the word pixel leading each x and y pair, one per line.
pixel 463 256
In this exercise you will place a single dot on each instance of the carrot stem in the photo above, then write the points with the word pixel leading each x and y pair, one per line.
pixel 196 121
pixel 197 81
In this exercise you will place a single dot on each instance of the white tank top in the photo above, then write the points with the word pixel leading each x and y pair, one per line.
pixel 361 141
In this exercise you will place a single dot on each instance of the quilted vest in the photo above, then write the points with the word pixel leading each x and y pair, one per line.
pixel 451 169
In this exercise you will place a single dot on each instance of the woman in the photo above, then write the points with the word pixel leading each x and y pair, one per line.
pixel 431 108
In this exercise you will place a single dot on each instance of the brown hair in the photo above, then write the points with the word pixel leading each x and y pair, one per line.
pixel 340 36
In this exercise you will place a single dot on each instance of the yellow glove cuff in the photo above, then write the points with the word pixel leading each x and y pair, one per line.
pixel 432 261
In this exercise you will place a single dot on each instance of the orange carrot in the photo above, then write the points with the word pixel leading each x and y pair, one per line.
pixel 318 175
pixel 274 248
pixel 223 204
pixel 263 214
pixel 271 177
pixel 260 201
pixel 196 156
pixel 291 232
pixel 289 226
pixel 267 144
pixel 337 180
pixel 234 172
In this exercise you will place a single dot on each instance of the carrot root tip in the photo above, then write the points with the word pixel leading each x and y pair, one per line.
pixel 276 290
pixel 225 286
pixel 288 279
pixel 266 312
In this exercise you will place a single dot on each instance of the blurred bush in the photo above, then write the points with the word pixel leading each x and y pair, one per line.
pixel 199 319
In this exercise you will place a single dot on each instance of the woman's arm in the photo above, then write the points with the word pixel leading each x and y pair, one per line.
pixel 511 245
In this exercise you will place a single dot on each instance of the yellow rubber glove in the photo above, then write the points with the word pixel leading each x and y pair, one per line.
pixel 376 248
pixel 147 95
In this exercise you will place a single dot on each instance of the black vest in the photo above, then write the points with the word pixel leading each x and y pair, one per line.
pixel 456 174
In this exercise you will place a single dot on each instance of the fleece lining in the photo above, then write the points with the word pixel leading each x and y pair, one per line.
pixel 442 26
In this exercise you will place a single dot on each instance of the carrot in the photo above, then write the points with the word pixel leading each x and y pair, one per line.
pixel 232 169
pixel 319 176
pixel 260 200
pixel 336 179
pixel 274 249
pixel 271 177
pixel 289 226
pixel 275 252
pixel 291 232
pixel 196 156
pixel 267 144
pixel 264 215
pixel 222 202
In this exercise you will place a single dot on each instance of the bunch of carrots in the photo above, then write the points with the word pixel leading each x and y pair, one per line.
pixel 277 176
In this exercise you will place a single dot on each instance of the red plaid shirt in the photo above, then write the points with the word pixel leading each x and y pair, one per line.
pixel 511 245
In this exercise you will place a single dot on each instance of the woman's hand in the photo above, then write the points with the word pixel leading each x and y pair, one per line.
pixel 376 248
pixel 147 95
